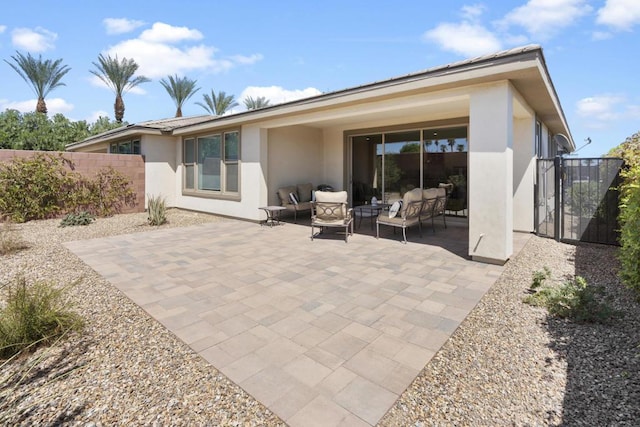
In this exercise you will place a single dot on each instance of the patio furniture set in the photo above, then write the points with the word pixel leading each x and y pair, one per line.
pixel 331 209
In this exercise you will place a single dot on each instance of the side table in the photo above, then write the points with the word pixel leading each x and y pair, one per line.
pixel 273 214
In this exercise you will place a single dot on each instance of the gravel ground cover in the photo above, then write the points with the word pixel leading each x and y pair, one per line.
pixel 507 364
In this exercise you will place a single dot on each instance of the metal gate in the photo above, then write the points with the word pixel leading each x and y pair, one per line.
pixel 577 199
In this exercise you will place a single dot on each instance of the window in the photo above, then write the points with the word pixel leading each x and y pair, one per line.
pixel 125 147
pixel 212 164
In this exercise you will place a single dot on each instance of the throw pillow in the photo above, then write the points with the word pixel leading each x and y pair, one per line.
pixel 293 198
pixel 395 208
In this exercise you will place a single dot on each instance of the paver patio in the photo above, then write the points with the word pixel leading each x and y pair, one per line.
pixel 323 332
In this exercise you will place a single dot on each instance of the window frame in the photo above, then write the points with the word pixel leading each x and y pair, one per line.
pixel 223 193
pixel 133 144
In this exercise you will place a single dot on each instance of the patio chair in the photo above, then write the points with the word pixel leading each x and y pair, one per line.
pixel 407 216
pixel 330 209
pixel 435 203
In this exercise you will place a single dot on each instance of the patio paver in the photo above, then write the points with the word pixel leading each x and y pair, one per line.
pixel 322 332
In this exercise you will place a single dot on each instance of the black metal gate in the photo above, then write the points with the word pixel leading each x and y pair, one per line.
pixel 577 199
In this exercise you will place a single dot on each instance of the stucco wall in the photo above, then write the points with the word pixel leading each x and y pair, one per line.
pixel 160 166
pixel 295 156
pixel 89 164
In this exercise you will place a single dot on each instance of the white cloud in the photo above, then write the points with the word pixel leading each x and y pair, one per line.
pixel 545 18
pixel 472 12
pixel 465 38
pixel 54 106
pixel 602 110
pixel 165 33
pixel 600 35
pixel 33 40
pixel 3 28
pixel 96 81
pixel 158 53
pixel 247 60
pixel 95 115
pixel 619 14
pixel 277 94
pixel 121 25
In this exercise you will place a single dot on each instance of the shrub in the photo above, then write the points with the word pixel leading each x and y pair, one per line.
pixel 629 217
pixel 10 241
pixel 539 278
pixel 157 210
pixel 33 315
pixel 44 186
pixel 35 187
pixel 80 218
pixel 574 299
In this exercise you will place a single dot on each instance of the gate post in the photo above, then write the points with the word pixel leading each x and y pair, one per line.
pixel 557 178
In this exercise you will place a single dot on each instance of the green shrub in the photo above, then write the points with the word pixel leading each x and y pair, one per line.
pixel 79 218
pixel 629 217
pixel 157 210
pixel 539 278
pixel 33 315
pixel 10 240
pixel 44 186
pixel 575 300
pixel 35 188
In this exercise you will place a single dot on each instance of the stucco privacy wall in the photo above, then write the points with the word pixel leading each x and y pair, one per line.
pixel 88 164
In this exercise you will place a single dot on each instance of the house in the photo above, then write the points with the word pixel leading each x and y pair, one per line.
pixel 481 122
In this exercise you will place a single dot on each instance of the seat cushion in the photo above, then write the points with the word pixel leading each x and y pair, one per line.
pixel 304 192
pixel 410 196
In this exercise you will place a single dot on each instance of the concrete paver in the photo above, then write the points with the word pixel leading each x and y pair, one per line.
pixel 322 332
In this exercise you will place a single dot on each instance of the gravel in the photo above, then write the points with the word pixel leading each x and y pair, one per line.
pixel 507 364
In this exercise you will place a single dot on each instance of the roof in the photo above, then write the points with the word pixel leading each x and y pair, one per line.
pixel 481 69
pixel 161 126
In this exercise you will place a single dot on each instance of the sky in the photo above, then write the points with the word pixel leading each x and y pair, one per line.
pixel 286 50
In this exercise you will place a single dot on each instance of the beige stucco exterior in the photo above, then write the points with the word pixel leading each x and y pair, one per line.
pixel 499 99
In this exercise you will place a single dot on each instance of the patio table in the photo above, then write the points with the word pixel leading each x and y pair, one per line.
pixel 371 211
pixel 273 214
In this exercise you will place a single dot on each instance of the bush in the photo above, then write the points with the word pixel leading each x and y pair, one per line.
pixel 44 186
pixel 539 277
pixel 80 218
pixel 33 315
pixel 10 241
pixel 35 188
pixel 575 300
pixel 630 212
pixel 157 210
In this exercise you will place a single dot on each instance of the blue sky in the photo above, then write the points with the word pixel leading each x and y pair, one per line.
pixel 286 50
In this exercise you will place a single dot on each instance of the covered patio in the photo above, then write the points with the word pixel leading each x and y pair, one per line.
pixel 323 332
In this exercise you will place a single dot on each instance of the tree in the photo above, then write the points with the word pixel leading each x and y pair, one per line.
pixel 118 76
pixel 254 103
pixel 102 124
pixel 451 142
pixel 217 104
pixel 42 75
pixel 412 147
pixel 179 89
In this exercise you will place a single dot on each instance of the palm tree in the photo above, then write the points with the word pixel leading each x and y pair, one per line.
pixel 179 89
pixel 118 75
pixel 218 104
pixel 43 76
pixel 451 142
pixel 254 103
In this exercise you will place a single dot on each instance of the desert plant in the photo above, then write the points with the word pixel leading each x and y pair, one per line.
pixel 10 240
pixel 539 277
pixel 157 210
pixel 574 299
pixel 77 218
pixel 104 195
pixel 33 315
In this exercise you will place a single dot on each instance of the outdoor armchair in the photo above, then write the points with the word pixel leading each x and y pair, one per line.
pixel 434 204
pixel 407 216
pixel 330 209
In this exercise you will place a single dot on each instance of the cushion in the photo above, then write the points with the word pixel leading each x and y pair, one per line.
pixel 293 198
pixel 410 196
pixel 395 208
pixel 283 194
pixel 430 193
pixel 304 192
pixel 332 196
